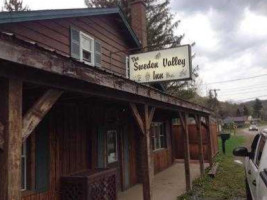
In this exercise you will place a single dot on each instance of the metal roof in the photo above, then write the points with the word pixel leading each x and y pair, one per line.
pixel 24 16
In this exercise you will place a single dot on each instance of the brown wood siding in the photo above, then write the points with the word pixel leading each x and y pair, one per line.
pixel 193 141
pixel 55 34
pixel 72 129
pixel 163 158
pixel 69 142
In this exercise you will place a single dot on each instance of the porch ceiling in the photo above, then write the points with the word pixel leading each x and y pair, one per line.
pixel 34 63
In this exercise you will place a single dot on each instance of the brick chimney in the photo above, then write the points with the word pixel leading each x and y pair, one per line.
pixel 138 20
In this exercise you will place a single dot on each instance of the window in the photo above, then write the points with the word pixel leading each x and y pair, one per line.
pixel 254 146
pixel 112 146
pixel 85 48
pixel 24 166
pixel 158 134
pixel 260 150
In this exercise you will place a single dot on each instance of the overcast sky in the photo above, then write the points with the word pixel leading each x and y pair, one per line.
pixel 231 42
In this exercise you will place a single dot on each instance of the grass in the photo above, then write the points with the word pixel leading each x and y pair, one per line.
pixel 263 123
pixel 229 181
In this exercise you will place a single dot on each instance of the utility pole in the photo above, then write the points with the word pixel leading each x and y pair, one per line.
pixel 215 92
pixel 215 103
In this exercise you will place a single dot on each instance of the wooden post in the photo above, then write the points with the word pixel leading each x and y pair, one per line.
pixel 209 145
pixel 184 118
pixel 144 124
pixel 1 136
pixel 200 145
pixel 10 157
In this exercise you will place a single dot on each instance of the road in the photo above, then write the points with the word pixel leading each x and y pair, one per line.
pixel 249 135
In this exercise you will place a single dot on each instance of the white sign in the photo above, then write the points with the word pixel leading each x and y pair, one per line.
pixel 163 65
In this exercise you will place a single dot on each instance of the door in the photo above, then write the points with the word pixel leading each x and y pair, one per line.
pixel 253 167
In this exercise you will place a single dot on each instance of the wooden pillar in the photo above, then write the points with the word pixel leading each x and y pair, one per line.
pixel 184 119
pixel 144 124
pixel 10 156
pixel 209 145
pixel 200 145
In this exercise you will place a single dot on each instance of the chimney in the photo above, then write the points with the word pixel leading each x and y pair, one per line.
pixel 138 20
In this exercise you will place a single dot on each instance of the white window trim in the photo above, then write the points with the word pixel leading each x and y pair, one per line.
pixel 92 52
pixel 116 148
pixel 24 157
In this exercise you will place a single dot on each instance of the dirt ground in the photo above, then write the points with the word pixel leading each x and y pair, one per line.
pixel 168 184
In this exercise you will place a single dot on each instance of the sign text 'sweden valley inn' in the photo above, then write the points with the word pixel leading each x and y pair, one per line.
pixel 162 65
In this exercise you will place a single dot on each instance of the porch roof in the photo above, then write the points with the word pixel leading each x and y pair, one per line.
pixel 35 63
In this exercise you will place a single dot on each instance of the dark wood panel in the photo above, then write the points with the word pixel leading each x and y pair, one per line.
pixel 47 32
pixel 161 160
pixel 31 35
pixel 193 140
pixel 133 166
pixel 54 34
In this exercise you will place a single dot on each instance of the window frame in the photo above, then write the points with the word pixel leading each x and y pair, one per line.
pixel 156 137
pixel 82 35
pixel 256 161
pixel 24 157
pixel 116 146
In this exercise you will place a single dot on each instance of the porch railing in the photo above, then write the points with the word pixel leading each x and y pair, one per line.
pixel 98 184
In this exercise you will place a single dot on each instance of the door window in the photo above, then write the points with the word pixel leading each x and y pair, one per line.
pixel 254 146
pixel 260 150
pixel 112 147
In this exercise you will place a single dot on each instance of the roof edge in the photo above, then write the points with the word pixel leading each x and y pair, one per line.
pixel 24 16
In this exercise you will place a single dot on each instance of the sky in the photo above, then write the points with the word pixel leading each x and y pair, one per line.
pixel 230 37
pixel 231 44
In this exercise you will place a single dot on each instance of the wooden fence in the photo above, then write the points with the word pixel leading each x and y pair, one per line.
pixel 193 141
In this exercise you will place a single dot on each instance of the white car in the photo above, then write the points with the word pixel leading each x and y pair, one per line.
pixel 255 166
pixel 253 128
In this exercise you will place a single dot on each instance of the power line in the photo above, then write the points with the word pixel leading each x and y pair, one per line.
pixel 239 79
pixel 262 85
pixel 252 98
pixel 244 92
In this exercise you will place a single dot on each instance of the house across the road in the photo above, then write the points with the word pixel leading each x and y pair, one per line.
pixel 72 124
pixel 239 121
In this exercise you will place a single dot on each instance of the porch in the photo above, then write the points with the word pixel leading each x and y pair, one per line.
pixel 168 184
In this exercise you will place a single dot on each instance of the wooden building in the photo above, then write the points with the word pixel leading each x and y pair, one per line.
pixel 193 141
pixel 68 112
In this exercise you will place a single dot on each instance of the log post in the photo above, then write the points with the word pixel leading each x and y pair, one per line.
pixel 200 145
pixel 10 157
pixel 184 119
pixel 144 124
pixel 209 145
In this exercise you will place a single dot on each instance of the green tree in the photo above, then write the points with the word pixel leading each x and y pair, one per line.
pixel 238 112
pixel 15 5
pixel 160 34
pixel 160 21
pixel 257 108
pixel 246 110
